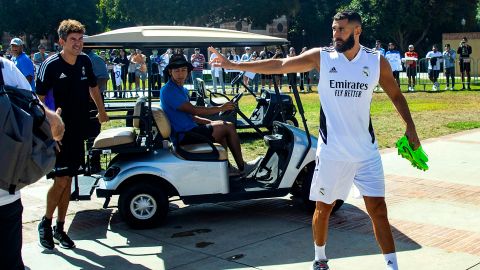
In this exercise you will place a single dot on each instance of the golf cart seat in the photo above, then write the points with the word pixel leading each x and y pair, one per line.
pixel 122 136
pixel 198 151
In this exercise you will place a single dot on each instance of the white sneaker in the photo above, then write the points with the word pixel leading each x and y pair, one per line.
pixel 250 166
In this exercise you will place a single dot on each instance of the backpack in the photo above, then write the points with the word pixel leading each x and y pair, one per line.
pixel 26 143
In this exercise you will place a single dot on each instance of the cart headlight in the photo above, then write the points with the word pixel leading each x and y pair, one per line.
pixel 111 173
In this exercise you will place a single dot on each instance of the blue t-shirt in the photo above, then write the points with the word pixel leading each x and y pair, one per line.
pixel 172 96
pixel 25 65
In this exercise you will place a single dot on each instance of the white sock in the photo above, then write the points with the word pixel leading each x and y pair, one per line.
pixel 391 260
pixel 320 253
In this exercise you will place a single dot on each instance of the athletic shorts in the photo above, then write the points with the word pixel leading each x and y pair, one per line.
pixel 450 71
pixel 265 76
pixel 131 77
pixel 71 156
pixel 411 71
pixel 332 179
pixel 204 130
pixel 433 73
pixel 141 75
pixel 464 66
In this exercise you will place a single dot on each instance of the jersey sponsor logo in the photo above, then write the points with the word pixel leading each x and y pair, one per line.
pixel 62 76
pixel 348 88
pixel 333 70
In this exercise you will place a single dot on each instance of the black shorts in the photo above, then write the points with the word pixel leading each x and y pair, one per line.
pixel 433 73
pixel 450 71
pixel 464 66
pixel 131 77
pixel 71 156
pixel 265 76
pixel 411 71
pixel 203 130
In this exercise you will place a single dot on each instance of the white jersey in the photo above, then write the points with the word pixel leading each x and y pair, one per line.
pixel 345 89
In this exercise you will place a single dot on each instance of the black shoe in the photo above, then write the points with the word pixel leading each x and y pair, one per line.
pixel 61 238
pixel 320 265
pixel 45 235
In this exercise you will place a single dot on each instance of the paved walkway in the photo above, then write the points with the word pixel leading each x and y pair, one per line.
pixel 435 217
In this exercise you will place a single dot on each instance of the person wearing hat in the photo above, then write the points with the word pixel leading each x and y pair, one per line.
pixel 39 56
pixel 22 61
pixel 198 61
pixel 185 117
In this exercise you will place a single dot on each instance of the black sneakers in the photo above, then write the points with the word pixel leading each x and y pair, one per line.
pixel 61 238
pixel 320 265
pixel 45 234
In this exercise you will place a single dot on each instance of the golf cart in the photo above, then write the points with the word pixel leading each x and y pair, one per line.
pixel 149 169
pixel 271 106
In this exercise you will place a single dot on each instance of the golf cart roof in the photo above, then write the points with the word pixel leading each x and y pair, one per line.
pixel 157 36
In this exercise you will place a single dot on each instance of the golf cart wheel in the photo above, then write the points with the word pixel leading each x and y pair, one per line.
pixel 292 121
pixel 310 205
pixel 143 205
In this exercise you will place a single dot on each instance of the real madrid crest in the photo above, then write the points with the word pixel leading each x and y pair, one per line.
pixel 366 71
pixel 83 71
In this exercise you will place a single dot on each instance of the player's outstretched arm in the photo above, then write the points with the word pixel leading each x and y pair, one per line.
pixel 300 63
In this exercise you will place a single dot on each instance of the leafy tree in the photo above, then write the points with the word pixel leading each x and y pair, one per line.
pixel 36 18
pixel 415 22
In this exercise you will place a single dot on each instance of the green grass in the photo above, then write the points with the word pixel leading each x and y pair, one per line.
pixel 464 125
pixel 435 114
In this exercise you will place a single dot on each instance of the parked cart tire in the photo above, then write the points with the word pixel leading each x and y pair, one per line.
pixel 143 205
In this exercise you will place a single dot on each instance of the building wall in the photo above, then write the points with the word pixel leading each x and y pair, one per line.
pixel 473 40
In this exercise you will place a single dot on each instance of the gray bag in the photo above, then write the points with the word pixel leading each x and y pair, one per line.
pixel 27 148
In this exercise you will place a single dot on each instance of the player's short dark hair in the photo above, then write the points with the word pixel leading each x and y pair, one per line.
pixel 70 26
pixel 350 15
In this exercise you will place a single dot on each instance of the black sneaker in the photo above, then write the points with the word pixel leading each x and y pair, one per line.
pixel 61 238
pixel 320 265
pixel 45 235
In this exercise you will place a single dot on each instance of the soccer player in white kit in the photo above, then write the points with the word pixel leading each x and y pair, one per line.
pixel 348 153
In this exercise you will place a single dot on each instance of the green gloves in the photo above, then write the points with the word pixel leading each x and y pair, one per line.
pixel 418 157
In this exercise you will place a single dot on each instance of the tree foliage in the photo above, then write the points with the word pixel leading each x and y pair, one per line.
pixel 36 18
pixel 420 22
pixel 417 22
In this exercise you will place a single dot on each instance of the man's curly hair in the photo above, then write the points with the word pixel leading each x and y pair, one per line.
pixel 70 26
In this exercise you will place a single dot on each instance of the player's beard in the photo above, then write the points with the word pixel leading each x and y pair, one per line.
pixel 346 44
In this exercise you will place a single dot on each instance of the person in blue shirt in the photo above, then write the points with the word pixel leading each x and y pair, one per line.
pixel 184 117
pixel 378 47
pixel 22 61
pixel 449 65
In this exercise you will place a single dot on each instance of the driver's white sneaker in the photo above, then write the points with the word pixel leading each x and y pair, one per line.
pixel 250 166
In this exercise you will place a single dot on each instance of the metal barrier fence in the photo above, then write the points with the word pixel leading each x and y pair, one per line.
pixel 424 83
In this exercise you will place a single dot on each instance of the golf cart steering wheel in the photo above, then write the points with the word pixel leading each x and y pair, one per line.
pixel 235 100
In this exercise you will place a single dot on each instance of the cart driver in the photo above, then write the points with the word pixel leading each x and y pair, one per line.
pixel 185 117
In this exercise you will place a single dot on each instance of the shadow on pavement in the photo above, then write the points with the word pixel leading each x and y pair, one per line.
pixel 254 233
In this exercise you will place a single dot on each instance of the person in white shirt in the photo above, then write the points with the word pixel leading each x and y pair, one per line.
pixel 395 59
pixel 348 151
pixel 217 74
pixel 10 204
pixel 434 57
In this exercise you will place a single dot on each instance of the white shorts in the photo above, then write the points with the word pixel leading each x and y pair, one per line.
pixel 332 179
